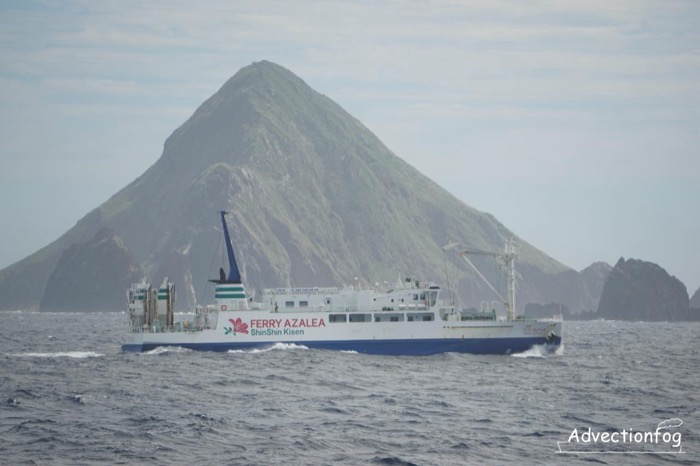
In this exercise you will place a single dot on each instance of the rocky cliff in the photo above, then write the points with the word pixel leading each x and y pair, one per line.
pixel 92 276
pixel 695 300
pixel 639 290
pixel 592 280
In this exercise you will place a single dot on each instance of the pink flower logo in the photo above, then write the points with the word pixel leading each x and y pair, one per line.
pixel 237 326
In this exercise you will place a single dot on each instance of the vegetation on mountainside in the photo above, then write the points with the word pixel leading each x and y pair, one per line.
pixel 316 199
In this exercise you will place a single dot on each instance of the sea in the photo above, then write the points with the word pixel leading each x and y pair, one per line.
pixel 70 396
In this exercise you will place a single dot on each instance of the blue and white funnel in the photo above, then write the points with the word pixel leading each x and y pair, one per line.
pixel 230 292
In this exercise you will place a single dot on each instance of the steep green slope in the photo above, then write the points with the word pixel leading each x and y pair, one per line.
pixel 91 276
pixel 316 199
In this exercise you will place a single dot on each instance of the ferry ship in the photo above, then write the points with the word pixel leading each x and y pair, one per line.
pixel 411 318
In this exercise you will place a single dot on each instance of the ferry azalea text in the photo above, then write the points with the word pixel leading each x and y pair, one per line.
pixel 287 323
pixel 291 326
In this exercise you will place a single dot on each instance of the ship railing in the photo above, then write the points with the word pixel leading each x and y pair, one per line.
pixel 477 316
pixel 314 308
pixel 389 307
pixel 179 327
pixel 554 318
pixel 135 328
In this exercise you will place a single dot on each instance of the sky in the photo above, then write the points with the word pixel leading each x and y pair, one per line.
pixel 575 123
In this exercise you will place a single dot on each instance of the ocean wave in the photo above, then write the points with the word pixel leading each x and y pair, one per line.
pixel 60 354
pixel 275 347
pixel 320 407
pixel 167 349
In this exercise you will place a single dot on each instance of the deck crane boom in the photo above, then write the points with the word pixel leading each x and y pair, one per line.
pixel 506 261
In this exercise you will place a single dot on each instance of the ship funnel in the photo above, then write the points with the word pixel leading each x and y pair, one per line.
pixel 230 293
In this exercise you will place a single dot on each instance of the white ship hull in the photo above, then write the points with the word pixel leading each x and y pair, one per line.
pixel 409 319
pixel 258 329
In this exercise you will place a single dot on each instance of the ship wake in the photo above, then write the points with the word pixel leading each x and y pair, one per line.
pixel 540 351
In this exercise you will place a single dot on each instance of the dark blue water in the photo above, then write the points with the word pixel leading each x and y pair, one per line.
pixel 69 396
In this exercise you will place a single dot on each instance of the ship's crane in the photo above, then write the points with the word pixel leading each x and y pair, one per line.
pixel 506 261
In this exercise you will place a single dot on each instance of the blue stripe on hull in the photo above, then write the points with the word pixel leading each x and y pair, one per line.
pixel 383 347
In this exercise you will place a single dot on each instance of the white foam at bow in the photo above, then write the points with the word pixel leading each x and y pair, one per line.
pixel 539 351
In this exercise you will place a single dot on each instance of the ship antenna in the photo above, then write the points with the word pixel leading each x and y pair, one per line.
pixel 234 275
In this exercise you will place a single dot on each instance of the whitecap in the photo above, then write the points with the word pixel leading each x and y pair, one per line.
pixel 167 349
pixel 276 346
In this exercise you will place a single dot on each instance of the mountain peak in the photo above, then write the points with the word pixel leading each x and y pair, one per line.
pixel 267 69
pixel 264 78
pixel 259 100
pixel 316 199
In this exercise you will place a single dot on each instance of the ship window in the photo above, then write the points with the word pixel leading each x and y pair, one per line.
pixel 389 317
pixel 360 317
pixel 337 318
pixel 420 317
pixel 415 296
pixel 289 304
pixel 303 304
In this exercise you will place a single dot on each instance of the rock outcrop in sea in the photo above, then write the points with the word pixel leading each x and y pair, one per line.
pixel 639 290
